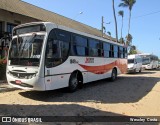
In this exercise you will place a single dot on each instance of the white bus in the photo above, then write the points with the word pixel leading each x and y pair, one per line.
pixel 134 63
pixel 46 56
pixel 149 61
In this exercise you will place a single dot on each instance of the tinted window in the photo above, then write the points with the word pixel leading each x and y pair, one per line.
pixel 93 52
pixel 62 35
pixel 64 49
pixel 106 49
pixel 79 50
pixel 145 61
pixel 111 52
pixel 121 49
pixel 106 46
pixel 57 48
pixel 80 41
pixel 79 45
pixel 115 48
pixel 124 52
pixel 94 43
pixel 120 53
pixel 115 51
pixel 26 29
pixel 95 48
pixel 130 61
pixel 106 54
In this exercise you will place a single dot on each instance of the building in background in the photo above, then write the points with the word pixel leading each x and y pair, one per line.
pixel 15 12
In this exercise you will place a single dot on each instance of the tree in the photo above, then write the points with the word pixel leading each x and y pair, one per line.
pixel 121 13
pixel 109 33
pixel 133 50
pixel 115 20
pixel 129 40
pixel 121 40
pixel 129 4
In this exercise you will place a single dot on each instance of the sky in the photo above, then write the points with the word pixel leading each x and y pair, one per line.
pixel 145 22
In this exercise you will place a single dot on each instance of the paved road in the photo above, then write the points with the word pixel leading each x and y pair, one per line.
pixel 131 95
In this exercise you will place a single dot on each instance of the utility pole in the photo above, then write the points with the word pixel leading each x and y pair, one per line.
pixel 102 25
pixel 115 21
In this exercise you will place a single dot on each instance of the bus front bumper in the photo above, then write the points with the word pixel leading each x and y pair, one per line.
pixel 27 84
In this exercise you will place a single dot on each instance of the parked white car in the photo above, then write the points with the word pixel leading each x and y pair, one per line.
pixel 134 63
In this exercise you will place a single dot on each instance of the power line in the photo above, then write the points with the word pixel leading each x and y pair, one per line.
pixel 147 14
pixel 151 13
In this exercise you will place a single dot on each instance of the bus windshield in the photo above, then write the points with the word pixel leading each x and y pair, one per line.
pixel 145 61
pixel 26 50
pixel 130 61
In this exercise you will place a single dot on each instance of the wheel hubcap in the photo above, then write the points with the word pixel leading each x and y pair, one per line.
pixel 74 83
pixel 114 75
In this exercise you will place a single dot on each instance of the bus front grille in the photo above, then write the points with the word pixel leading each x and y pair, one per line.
pixel 22 75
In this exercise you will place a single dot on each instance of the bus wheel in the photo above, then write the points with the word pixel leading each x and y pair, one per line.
pixel 73 82
pixel 113 75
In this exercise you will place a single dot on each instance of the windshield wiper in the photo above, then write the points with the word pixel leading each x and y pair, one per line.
pixel 30 40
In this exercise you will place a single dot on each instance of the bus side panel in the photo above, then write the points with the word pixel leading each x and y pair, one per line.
pixel 57 81
pixel 92 69
pixel 96 72
pixel 58 77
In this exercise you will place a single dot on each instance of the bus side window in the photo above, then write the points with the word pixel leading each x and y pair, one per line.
pixel 54 48
pixel 115 51
pixel 79 45
pixel 57 48
pixel 106 48
pixel 94 48
pixel 111 52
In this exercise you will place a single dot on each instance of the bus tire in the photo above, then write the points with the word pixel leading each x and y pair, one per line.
pixel 73 82
pixel 140 70
pixel 113 75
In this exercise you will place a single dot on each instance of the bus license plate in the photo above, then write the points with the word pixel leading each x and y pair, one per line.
pixel 18 82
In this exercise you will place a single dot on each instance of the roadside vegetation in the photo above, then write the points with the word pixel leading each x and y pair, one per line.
pixel 129 4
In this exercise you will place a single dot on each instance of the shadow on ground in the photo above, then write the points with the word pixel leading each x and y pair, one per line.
pixel 66 110
pixel 141 73
pixel 125 90
pixel 149 71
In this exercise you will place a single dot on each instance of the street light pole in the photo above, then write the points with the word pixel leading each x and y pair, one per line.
pixel 78 14
pixel 102 25
pixel 102 28
pixel 74 18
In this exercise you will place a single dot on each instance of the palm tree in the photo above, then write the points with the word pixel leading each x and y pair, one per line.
pixel 109 33
pixel 133 50
pixel 121 40
pixel 129 4
pixel 129 40
pixel 115 20
pixel 121 13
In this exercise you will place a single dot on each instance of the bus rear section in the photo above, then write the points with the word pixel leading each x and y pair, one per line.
pixel 46 56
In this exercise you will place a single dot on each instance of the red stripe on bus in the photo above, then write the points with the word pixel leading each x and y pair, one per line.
pixel 121 64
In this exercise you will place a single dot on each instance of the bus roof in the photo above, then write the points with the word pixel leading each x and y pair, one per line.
pixel 70 30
